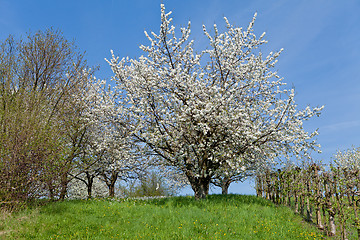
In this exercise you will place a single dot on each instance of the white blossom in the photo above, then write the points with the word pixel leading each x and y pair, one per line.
pixel 348 159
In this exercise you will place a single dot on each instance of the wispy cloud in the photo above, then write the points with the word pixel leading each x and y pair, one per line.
pixel 341 125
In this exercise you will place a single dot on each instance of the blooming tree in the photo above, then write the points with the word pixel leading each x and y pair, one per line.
pixel 108 153
pixel 79 189
pixel 348 159
pixel 193 109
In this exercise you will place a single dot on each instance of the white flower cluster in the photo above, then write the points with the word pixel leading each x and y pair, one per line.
pixel 348 159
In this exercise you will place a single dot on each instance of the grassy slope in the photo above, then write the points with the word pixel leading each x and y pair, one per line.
pixel 217 217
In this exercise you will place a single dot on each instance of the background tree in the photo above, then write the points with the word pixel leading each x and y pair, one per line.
pixel 41 128
pixel 152 184
pixel 191 108
pixel 349 158
pixel 108 153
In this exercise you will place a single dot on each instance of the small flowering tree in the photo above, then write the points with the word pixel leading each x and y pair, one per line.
pixel 191 109
pixel 108 154
pixel 348 159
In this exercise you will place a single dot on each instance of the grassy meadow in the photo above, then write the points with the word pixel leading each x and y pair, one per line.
pixel 217 217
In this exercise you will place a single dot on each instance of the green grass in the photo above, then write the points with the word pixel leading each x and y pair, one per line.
pixel 217 217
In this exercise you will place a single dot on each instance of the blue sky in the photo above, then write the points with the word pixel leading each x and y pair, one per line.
pixel 321 41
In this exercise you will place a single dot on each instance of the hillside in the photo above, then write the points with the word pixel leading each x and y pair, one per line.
pixel 217 217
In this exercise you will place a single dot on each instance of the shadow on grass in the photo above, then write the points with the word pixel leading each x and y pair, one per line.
pixel 59 208
pixel 230 199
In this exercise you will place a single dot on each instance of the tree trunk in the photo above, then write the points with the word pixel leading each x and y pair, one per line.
pixel 289 200
pixel 329 205
pixel 51 192
pixel 343 231
pixel 200 186
pixel 89 190
pixel 63 191
pixel 259 189
pixel 325 225
pixel 64 187
pixel 110 182
pixel 268 190
pixel 296 203
pixel 318 218
pixel 225 184
pixel 302 205
pixel 332 225
pixel 308 210
pixel 112 190
pixel 319 196
pixel 89 184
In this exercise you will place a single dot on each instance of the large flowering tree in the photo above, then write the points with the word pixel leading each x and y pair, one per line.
pixel 193 110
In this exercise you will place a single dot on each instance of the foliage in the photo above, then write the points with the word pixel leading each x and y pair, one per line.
pixel 329 198
pixel 39 126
